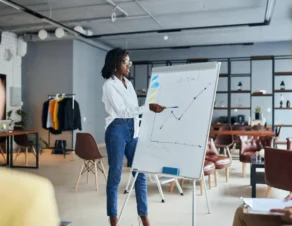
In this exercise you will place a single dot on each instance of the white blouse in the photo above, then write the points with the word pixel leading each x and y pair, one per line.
pixel 121 102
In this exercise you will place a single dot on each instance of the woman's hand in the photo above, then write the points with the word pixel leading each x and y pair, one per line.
pixel 2 100
pixel 289 197
pixel 156 108
pixel 287 214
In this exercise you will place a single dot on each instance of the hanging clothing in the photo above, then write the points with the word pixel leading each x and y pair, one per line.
pixel 59 115
pixel 72 119
pixel 45 114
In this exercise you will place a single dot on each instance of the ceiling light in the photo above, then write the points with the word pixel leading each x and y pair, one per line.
pixel 43 34
pixel 114 17
pixel 89 32
pixel 79 29
pixel 165 37
pixel 60 33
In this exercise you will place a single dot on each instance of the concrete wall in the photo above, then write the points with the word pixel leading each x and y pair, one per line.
pixel 47 69
pixel 87 85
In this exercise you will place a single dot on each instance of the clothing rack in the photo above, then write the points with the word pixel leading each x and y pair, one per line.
pixel 64 95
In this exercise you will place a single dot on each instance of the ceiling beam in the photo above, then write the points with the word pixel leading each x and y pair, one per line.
pixel 268 15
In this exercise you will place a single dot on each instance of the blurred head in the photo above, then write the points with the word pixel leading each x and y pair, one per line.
pixel 117 62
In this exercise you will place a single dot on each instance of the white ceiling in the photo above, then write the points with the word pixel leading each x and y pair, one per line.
pixel 158 15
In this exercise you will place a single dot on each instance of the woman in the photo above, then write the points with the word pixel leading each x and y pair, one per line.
pixel 122 126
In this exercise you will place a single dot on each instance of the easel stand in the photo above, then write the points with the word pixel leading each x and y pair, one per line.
pixel 193 198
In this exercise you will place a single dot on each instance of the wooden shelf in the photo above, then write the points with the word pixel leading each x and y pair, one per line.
pixel 240 75
pixel 284 125
pixel 223 75
pixel 283 108
pixel 222 92
pixel 261 57
pixel 283 90
pixel 220 108
pixel 240 108
pixel 240 91
pixel 283 73
pixel 262 95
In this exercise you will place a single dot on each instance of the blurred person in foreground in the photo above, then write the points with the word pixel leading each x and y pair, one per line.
pixel 27 200
pixel 243 219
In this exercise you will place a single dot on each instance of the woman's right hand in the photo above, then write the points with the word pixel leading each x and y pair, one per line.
pixel 156 108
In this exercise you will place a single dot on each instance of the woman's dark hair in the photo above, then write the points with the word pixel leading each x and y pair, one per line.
pixel 113 61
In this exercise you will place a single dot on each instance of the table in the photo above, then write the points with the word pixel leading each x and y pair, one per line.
pixel 256 133
pixel 256 177
pixel 10 135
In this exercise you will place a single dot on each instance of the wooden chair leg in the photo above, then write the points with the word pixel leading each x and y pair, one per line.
pixel 209 181
pixel 227 173
pixel 96 176
pixel 88 170
pixel 182 182
pixel 79 176
pixel 26 156
pixel 17 154
pixel 201 185
pixel 103 170
pixel 233 148
pixel 216 177
pixel 33 150
pixel 2 153
pixel 268 192
pixel 172 186
pixel 243 169
pixel 225 152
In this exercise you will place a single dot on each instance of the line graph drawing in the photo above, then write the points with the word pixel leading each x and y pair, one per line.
pixel 185 111
pixel 175 116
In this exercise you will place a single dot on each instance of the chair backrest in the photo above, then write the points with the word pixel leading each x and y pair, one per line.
pixel 86 147
pixel 224 139
pixel 21 140
pixel 211 148
pixel 248 144
pixel 278 168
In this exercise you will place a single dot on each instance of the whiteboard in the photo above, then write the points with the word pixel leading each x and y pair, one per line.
pixel 177 137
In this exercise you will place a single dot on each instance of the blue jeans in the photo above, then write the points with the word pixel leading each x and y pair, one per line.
pixel 119 142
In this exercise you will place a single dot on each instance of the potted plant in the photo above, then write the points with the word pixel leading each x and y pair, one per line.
pixel 22 115
pixel 258 112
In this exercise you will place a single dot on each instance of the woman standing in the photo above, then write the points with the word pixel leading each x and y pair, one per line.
pixel 122 125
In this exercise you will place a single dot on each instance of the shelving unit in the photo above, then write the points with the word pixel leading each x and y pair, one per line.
pixel 235 69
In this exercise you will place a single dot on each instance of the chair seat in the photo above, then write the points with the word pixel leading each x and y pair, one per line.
pixel 246 156
pixel 222 145
pixel 219 161
pixel 209 167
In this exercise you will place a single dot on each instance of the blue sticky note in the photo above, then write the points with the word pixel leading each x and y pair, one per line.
pixel 155 77
pixel 155 85
pixel 171 170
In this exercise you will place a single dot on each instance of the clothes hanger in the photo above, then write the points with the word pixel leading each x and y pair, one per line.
pixel 57 96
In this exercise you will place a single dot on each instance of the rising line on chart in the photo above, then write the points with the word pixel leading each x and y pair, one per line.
pixel 185 111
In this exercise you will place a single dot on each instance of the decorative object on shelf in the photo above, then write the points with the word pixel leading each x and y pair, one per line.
pixel 288 104
pixel 221 103
pixel 258 112
pixel 282 85
pixel 239 86
pixel 282 100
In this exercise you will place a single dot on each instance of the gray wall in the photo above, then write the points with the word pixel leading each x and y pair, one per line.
pixel 46 69
pixel 261 76
pixel 87 85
